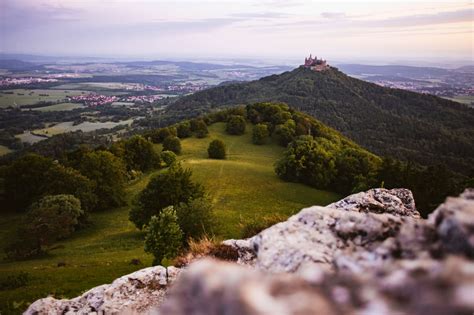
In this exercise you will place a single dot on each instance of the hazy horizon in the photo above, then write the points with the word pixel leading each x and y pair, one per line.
pixel 347 31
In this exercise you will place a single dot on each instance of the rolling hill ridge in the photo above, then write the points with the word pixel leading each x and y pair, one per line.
pixel 390 122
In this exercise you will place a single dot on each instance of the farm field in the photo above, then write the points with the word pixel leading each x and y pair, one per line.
pixel 86 126
pixel 22 97
pixel 242 188
pixel 60 107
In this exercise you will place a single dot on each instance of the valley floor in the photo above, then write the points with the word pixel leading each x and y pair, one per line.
pixel 243 188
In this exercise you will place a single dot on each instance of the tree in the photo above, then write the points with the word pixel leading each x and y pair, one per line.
pixel 158 136
pixel 53 218
pixel 260 134
pixel 139 154
pixel 310 161
pixel 199 127
pixel 33 176
pixel 236 125
pixel 172 144
pixel 163 236
pixel 169 188
pixel 195 218
pixel 285 133
pixel 216 149
pixel 168 157
pixel 109 175
pixel 356 170
pixel 184 129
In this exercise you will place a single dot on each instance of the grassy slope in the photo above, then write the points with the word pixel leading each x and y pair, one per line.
pixel 243 187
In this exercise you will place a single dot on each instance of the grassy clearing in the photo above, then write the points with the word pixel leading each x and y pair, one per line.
pixel 22 97
pixel 243 188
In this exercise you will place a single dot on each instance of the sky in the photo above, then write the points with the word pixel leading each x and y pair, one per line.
pixel 273 29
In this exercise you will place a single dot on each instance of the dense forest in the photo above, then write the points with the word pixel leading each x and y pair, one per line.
pixel 401 124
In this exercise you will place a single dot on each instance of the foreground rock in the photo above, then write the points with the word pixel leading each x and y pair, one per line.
pixel 137 293
pixel 407 287
pixel 369 253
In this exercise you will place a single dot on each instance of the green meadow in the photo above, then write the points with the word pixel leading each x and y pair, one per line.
pixel 242 188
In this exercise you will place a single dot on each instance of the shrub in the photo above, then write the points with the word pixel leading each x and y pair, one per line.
pixel 236 125
pixel 260 134
pixel 163 236
pixel 168 157
pixel 172 144
pixel 216 149
pixel 195 218
pixel 169 188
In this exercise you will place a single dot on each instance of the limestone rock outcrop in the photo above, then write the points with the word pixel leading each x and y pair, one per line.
pixel 137 293
pixel 369 253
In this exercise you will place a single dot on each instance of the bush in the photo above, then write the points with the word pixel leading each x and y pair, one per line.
pixel 216 149
pixel 172 144
pixel 163 236
pixel 236 125
pixel 168 157
pixel 169 188
pixel 195 218
pixel 260 134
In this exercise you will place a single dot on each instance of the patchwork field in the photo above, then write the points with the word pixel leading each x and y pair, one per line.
pixel 22 97
pixel 243 188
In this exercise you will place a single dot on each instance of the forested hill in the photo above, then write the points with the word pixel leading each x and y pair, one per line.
pixel 398 123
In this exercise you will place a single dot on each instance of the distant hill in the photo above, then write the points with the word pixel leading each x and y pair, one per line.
pixel 398 123
pixel 18 65
pixel 391 70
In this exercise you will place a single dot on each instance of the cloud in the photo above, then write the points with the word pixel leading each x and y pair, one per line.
pixel 333 15
pixel 464 15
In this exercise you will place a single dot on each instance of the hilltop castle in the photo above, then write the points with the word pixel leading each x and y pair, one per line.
pixel 315 64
